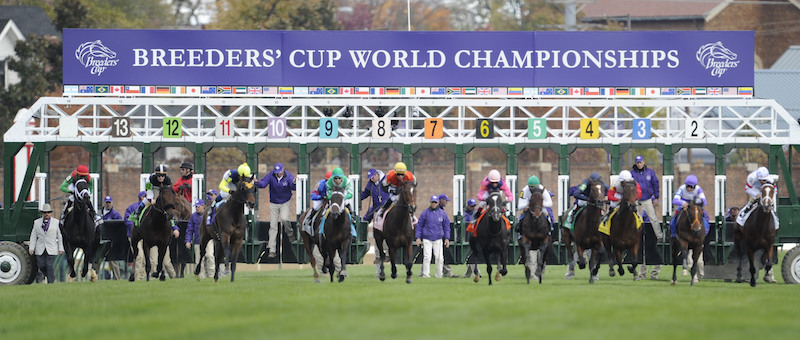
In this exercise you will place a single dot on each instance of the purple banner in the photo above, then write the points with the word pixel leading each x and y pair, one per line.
pixel 373 58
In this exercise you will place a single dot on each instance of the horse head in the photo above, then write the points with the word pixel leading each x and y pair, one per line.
pixel 712 51
pixel 767 202
pixel 409 195
pixel 596 196
pixel 166 200
pixel 694 212
pixel 337 200
pixel 246 192
pixel 535 205
pixel 82 193
pixel 629 199
pixel 495 203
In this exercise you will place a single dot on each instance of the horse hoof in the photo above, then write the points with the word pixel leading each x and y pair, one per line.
pixel 341 278
pixel 476 278
pixel 636 278
pixel 582 265
pixel 753 283
pixel 408 280
pixel 673 282
pixel 622 271
pixel 382 277
pixel 132 278
pixel 569 276
pixel 394 275
pixel 497 277
pixel 612 273
pixel 685 272
pixel 317 281
pixel 162 278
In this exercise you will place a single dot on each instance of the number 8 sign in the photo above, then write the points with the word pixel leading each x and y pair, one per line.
pixel 382 128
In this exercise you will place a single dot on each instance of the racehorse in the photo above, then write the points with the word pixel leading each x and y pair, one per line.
pixel 586 234
pixel 310 240
pixel 155 229
pixel 492 237
pixel 535 230
pixel 758 233
pixel 80 232
pixel 691 235
pixel 228 228
pixel 336 233
pixel 397 231
pixel 624 233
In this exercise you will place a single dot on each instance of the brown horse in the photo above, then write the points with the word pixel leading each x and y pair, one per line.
pixel 80 232
pixel 397 231
pixel 691 235
pixel 535 230
pixel 312 240
pixel 155 230
pixel 586 234
pixel 492 237
pixel 758 233
pixel 624 234
pixel 336 233
pixel 228 228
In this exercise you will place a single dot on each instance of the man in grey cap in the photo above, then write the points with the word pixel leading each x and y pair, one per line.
pixel 46 242
pixel 648 181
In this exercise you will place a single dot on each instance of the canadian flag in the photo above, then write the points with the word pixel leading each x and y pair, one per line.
pixel 576 91
pixel 117 89
pixel 346 90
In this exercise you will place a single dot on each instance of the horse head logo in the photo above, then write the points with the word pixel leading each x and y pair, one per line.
pixel 96 56
pixel 717 58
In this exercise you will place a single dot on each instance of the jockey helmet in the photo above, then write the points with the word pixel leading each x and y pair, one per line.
pixel 243 170
pixel 161 169
pixel 337 172
pixel 625 176
pixel 82 170
pixel 187 165
pixel 594 176
pixel 533 180
pixel 494 176
pixel 472 202
pixel 400 168
pixel 199 202
pixel 762 173
pixel 328 175
pixel 691 180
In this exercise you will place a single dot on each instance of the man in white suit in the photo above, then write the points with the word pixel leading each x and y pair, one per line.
pixel 46 242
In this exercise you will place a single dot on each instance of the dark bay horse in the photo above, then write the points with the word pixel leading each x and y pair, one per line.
pixel 155 230
pixel 758 233
pixel 535 230
pixel 585 233
pixel 336 233
pixel 397 231
pixel 80 232
pixel 228 228
pixel 313 239
pixel 492 239
pixel 691 235
pixel 624 235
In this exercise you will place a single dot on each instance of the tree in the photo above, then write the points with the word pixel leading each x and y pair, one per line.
pixel 392 15
pixel 276 15
pixel 506 15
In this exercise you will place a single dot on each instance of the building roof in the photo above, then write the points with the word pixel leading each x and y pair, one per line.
pixel 29 19
pixel 790 60
pixel 780 85
pixel 650 9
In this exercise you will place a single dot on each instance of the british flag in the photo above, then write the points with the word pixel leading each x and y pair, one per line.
pixel 714 91
pixel 484 91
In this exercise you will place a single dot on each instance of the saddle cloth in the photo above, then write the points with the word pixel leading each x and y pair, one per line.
pixel 473 227
pixel 744 214
pixel 605 227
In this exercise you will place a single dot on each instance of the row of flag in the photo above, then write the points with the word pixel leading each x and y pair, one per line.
pixel 410 91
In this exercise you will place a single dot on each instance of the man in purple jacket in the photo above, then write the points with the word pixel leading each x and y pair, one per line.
pixel 373 189
pixel 132 209
pixel 648 181
pixel 432 230
pixel 281 184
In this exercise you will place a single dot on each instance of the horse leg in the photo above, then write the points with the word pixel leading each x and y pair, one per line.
pixel 203 242
pixel 70 250
pixel 632 268
pixel 594 264
pixel 409 258
pixel 146 254
pixel 237 248
pixel 737 241
pixel 381 255
pixel 162 251
pixel 309 247
pixel 581 259
pixel 750 255
pixel 503 262
pixel 697 251
pixel 526 248
pixel 766 260
pixel 393 260
pixel 544 250
pixel 133 243
pixel 676 257
pixel 218 258
pixel 343 258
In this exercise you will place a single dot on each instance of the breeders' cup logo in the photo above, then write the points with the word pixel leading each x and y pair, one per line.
pixel 96 56
pixel 717 58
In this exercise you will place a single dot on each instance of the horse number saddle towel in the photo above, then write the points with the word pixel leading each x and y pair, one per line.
pixel 605 227
pixel 473 227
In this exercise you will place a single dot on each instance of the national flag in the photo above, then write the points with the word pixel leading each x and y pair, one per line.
pixel 316 90
pixel 300 91
pixel 347 91
pixel 208 90
pixel 223 90
pixel 714 91
pixel 255 90
pixel 72 89
pixel 607 91
pixel 653 91
pixel 499 91
pixel 117 89
pixel 285 90
pixel 438 91
pixel 484 91
pixel 162 89
pixel 622 91
pixel 575 91
pixel 177 90
pixel 101 89
pixel 591 91
pixel 668 91
pixel 193 90
pixel 331 90
pixel 148 89
pixel 423 91
pixel 470 91
pixel 529 92
pixel 745 91
pixel 699 91
pixel 637 91
pixel 454 91
pixel 393 91
pixel 377 91
pixel 684 91
pixel 361 90
pixel 514 91
pixel 729 91
pixel 546 91
pixel 273 90
pixel 86 89
pixel 408 91
pixel 561 91
pixel 239 90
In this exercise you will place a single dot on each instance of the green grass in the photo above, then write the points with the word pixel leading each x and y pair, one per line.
pixel 288 304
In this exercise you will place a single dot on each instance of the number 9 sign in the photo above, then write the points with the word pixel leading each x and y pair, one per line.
pixel 329 128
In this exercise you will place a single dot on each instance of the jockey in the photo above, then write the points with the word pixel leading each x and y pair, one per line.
pixel 615 194
pixel 755 180
pixel 68 187
pixel 491 183
pixel 686 193
pixel 525 197
pixel 158 178
pixel 231 178
pixel 581 194
pixel 394 181
pixel 373 190
pixel 183 186
pixel 338 178
pixel 319 193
